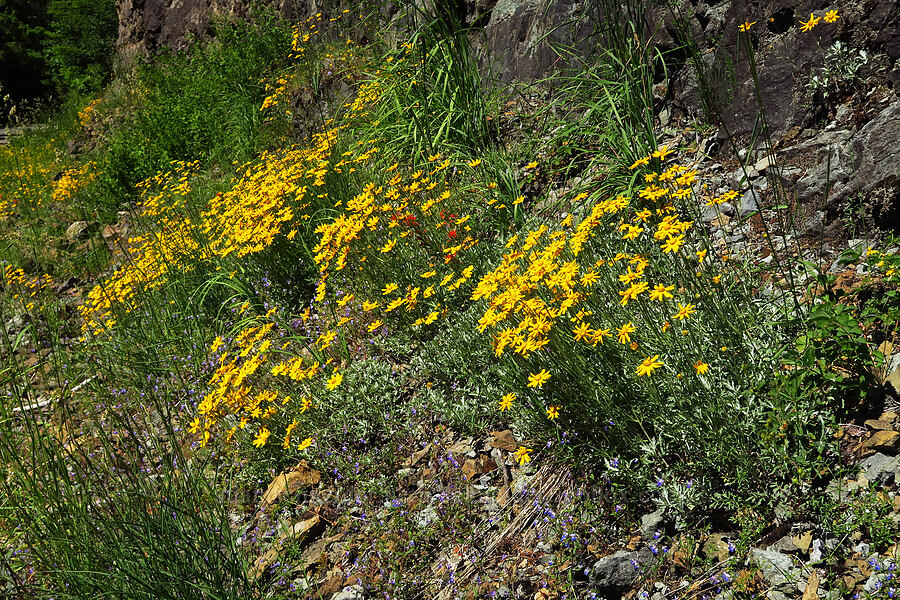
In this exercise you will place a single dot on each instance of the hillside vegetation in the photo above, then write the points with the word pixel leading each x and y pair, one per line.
pixel 289 315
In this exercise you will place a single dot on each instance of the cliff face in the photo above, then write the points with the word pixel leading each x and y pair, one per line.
pixel 518 38
pixel 147 25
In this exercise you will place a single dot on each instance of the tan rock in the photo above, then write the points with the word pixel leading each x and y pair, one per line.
pixel 883 441
pixel 504 440
pixel 416 457
pixel 879 425
pixel 889 416
pixel 803 541
pixel 300 476
pixel 812 587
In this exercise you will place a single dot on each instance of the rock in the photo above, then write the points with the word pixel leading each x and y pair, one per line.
pixel 878 425
pixel 764 163
pixel 504 440
pixel 890 416
pixel 749 203
pixel 652 523
pixel 716 548
pixel 300 476
pixel 872 154
pixel 815 554
pixel 77 231
pixel 880 468
pixel 615 573
pixel 426 517
pixel 777 568
pixel 884 441
pixel 894 379
pixel 803 541
pixel 709 146
pixel 351 592
pixel 416 457
pixel 811 587
pixel 813 226
pixel 784 544
pixel 306 528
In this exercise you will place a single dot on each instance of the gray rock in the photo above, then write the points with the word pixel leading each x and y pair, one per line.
pixel 880 468
pixel 764 163
pixel 776 568
pixel 616 572
pixel 815 553
pixel 748 204
pixel 652 523
pixel 426 517
pixel 813 226
pixel 351 592
pixel 76 230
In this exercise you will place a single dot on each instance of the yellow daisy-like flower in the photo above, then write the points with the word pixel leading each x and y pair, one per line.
pixel 334 381
pixel 673 244
pixel 649 365
pixel 375 325
pixel 639 162
pixel 831 16
pixel 701 367
pixel 684 311
pixel 531 165
pixel 746 25
pixel 305 444
pixel 522 455
pixel 475 163
pixel 553 412
pixel 660 292
pixel 581 332
pixel 538 379
pixel 624 332
pixel 262 437
pixel 507 400
pixel 662 153
pixel 391 287
pixel 808 25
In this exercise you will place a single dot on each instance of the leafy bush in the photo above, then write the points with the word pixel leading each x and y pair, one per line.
pixel 202 104
pixel 80 43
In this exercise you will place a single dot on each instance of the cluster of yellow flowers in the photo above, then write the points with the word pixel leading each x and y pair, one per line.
pixel 331 63
pixel 557 286
pixel 23 287
pixel 830 16
pixel 408 220
pixel 25 174
pixel 72 181
pixel 88 113
pixel 168 242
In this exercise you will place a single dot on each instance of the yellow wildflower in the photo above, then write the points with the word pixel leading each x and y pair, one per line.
pixel 538 379
pixel 507 400
pixel 808 25
pixel 262 437
pixel 624 332
pixel 522 455
pixel 684 311
pixel 649 365
pixel 334 381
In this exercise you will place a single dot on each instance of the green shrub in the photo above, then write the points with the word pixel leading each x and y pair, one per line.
pixel 80 43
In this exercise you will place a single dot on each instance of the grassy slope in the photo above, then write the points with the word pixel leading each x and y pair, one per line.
pixel 402 277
